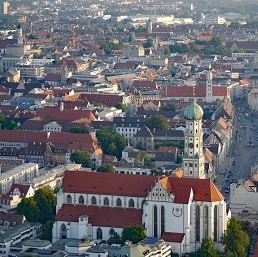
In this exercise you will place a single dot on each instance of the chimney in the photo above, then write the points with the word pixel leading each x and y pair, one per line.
pixel 61 106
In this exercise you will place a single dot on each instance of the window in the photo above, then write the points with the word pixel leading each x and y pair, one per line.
pixel 99 233
pixel 111 232
pixel 93 200
pixel 205 221
pixel 162 219
pixel 118 202
pixel 131 203
pixel 106 201
pixel 197 223
pixel 81 200
pixel 155 221
pixel 215 236
pixel 69 199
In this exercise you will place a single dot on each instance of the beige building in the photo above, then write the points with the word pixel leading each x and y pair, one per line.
pixel 253 99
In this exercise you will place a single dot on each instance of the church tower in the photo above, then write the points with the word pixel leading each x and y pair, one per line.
pixel 193 158
pixel 209 95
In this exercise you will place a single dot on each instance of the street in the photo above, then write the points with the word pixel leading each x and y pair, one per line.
pixel 242 156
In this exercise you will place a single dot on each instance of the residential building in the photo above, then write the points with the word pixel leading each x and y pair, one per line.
pixel 18 175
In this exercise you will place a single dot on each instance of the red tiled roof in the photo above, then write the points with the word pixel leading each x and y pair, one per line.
pixel 53 77
pixel 5 42
pixel 203 189
pixel 54 113
pixel 23 189
pixel 105 99
pixel 108 183
pixel 173 237
pixel 84 141
pixel 200 91
pixel 101 216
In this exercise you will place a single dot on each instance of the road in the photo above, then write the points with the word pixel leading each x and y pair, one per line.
pixel 242 156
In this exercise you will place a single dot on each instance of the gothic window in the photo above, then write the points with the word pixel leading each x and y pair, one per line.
pixel 111 232
pixel 63 232
pixel 162 219
pixel 215 223
pixel 197 223
pixel 106 201
pixel 155 220
pixel 81 200
pixel 69 199
pixel 131 203
pixel 118 202
pixel 93 200
pixel 205 221
pixel 99 233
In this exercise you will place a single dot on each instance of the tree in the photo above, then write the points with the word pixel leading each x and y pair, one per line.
pixel 207 248
pixel 106 168
pixel 47 230
pixel 235 240
pixel 120 106
pixel 168 107
pixel 142 157
pixel 134 234
pixel 157 122
pixel 112 142
pixel 46 201
pixel 115 239
pixel 82 157
pixel 28 207
pixel 78 130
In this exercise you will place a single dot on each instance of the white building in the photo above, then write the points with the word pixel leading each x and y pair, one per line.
pixel 18 175
pixel 180 210
pixel 243 196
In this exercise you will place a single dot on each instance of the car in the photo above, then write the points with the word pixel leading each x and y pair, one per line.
pixel 226 191
pixel 234 180
pixel 227 180
pixel 230 172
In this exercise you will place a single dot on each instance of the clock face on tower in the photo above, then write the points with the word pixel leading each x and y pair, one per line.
pixel 190 145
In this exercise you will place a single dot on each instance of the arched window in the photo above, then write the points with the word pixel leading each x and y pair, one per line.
pixel 63 232
pixel 81 200
pixel 155 220
pixel 106 201
pixel 68 199
pixel 131 203
pixel 118 202
pixel 215 236
pixel 99 233
pixel 93 200
pixel 111 232
pixel 162 219
pixel 197 223
pixel 205 221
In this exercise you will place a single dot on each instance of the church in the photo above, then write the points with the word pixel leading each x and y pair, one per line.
pixel 182 208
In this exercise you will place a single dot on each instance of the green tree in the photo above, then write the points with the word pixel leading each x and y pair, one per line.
pixel 112 142
pixel 235 240
pixel 115 239
pixel 142 157
pixel 46 202
pixel 207 248
pixel 157 122
pixel 134 234
pixel 28 207
pixel 148 43
pixel 120 106
pixel 78 130
pixel 106 168
pixel 47 230
pixel 168 107
pixel 82 157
